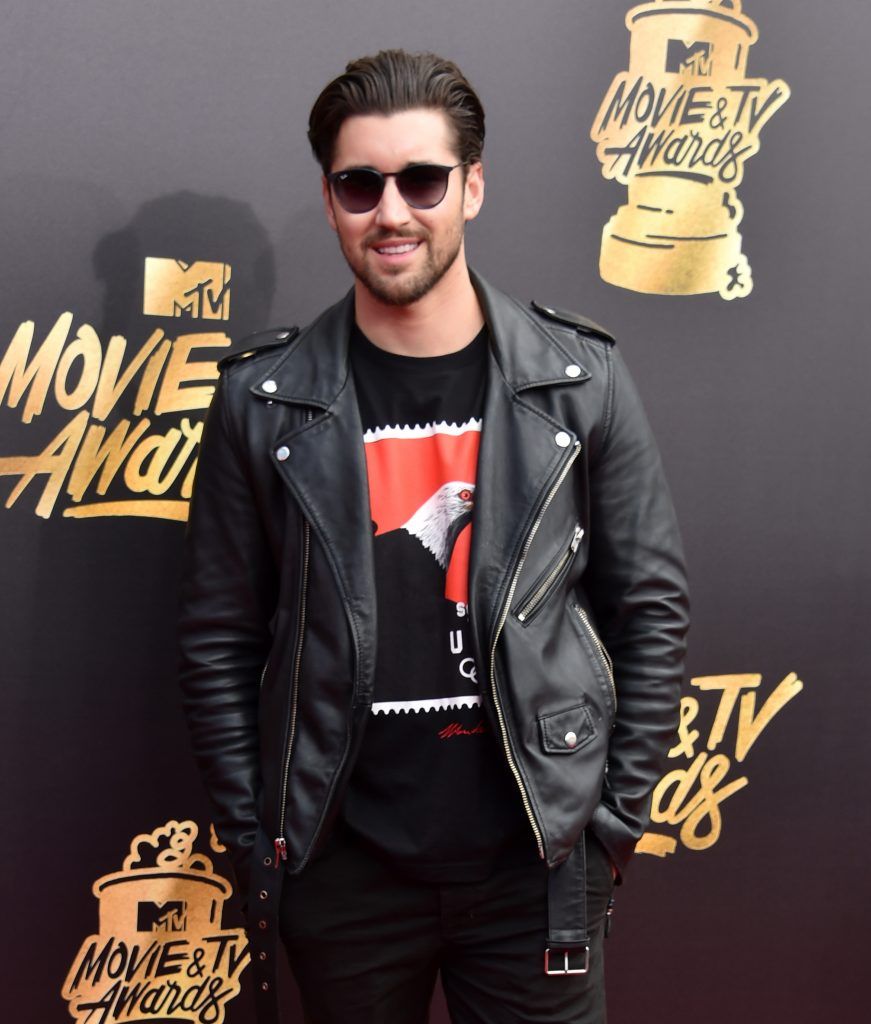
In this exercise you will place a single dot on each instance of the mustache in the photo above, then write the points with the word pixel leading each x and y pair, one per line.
pixel 382 236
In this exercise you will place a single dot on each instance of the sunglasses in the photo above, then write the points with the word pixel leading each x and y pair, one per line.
pixel 422 186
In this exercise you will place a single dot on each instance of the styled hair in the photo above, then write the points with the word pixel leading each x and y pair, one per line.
pixel 392 81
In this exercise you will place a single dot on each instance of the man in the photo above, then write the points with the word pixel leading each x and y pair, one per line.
pixel 434 603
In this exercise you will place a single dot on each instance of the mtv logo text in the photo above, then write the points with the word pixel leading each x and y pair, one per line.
pixel 200 290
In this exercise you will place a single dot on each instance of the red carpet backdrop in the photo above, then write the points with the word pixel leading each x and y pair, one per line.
pixel 690 173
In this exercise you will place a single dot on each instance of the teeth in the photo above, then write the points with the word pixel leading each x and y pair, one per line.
pixel 392 250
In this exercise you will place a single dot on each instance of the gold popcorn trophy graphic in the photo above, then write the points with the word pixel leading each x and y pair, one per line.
pixel 161 953
pixel 677 128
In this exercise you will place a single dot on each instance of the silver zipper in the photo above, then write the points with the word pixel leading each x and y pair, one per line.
pixel 600 647
pixel 552 576
pixel 280 842
pixel 512 764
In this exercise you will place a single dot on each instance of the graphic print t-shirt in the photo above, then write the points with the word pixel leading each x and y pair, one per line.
pixel 431 789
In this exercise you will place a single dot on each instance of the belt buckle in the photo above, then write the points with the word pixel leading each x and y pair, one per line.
pixel 566 969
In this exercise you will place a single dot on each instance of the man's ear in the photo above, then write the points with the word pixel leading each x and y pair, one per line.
pixel 328 203
pixel 473 193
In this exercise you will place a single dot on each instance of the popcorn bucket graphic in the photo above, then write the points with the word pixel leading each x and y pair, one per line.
pixel 161 952
pixel 189 902
pixel 676 128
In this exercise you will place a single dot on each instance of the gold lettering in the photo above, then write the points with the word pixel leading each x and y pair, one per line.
pixel 148 467
pixel 54 461
pixel 85 346
pixel 17 375
pixel 683 780
pixel 750 726
pixel 111 386
pixel 150 377
pixel 689 709
pixel 187 488
pixel 704 805
pixel 192 434
pixel 172 397
pixel 95 454
pixel 656 844
pixel 143 508
pixel 731 686
pixel 157 449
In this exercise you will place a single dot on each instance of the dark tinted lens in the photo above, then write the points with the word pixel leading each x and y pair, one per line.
pixel 358 190
pixel 424 186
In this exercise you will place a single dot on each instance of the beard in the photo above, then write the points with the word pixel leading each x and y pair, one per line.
pixel 402 288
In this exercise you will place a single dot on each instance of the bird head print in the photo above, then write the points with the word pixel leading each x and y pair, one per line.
pixel 420 484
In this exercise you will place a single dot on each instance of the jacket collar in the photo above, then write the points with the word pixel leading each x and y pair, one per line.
pixel 315 369
pixel 527 352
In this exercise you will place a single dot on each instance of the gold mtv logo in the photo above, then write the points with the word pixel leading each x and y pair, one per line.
pixel 173 288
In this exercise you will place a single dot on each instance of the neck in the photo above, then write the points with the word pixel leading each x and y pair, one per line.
pixel 445 320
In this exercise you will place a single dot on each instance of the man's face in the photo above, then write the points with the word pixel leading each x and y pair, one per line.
pixel 397 252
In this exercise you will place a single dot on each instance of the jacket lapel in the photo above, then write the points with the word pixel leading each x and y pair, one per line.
pixel 517 461
pixel 325 467
pixel 523 450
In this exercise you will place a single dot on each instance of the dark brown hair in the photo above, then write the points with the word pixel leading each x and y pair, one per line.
pixel 392 81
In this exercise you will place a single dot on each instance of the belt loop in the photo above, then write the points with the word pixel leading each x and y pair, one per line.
pixel 568 942
pixel 264 899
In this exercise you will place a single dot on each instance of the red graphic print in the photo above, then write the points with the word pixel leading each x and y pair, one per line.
pixel 425 485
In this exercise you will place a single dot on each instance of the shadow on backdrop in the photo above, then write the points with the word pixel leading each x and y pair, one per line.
pixel 189 227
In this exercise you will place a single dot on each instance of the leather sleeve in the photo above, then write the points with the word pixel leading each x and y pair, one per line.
pixel 637 585
pixel 227 599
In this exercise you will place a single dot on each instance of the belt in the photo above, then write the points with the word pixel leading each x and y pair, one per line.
pixel 264 943
pixel 568 941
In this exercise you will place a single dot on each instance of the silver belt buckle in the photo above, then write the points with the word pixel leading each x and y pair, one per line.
pixel 565 968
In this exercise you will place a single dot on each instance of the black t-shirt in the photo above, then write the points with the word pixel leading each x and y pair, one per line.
pixel 431 789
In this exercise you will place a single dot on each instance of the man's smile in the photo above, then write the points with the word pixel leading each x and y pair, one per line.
pixel 396 248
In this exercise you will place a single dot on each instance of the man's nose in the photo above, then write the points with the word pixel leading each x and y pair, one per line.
pixel 392 208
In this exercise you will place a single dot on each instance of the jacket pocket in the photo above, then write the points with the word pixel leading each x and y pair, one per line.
pixel 568 731
pixel 597 651
pixel 548 581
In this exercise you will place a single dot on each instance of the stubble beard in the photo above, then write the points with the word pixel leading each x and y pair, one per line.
pixel 405 289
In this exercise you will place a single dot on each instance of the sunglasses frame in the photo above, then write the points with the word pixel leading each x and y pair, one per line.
pixel 336 176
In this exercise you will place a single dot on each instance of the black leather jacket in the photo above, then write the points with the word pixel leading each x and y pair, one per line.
pixel 577 592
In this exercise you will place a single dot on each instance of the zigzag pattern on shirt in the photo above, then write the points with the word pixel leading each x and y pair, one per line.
pixel 387 707
pixel 427 430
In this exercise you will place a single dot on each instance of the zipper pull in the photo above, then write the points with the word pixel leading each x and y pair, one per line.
pixel 576 540
pixel 280 850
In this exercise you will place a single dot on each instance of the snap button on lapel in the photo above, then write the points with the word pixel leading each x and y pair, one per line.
pixel 573 370
pixel 282 453
pixel 562 439
pixel 269 386
pixel 571 739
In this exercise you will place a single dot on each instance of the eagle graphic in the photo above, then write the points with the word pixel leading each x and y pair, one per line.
pixel 422 493
pixel 441 518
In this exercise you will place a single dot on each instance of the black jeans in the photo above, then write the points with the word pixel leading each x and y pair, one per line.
pixel 365 943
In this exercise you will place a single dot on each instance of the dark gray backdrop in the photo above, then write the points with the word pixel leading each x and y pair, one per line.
pixel 153 128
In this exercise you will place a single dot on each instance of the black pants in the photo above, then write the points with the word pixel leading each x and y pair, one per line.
pixel 365 944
